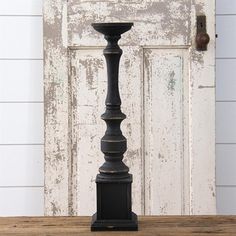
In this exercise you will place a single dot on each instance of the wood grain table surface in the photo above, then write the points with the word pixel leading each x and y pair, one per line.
pixel 148 226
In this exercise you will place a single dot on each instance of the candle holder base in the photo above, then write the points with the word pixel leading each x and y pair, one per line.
pixel 114 225
pixel 114 204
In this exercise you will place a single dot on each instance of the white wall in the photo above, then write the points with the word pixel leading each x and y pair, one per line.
pixel 226 106
pixel 21 108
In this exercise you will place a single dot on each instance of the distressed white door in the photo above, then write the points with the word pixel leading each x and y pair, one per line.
pixel 167 89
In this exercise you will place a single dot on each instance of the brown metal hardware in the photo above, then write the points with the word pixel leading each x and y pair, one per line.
pixel 202 38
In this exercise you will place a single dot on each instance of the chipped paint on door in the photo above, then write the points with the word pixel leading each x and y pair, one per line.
pixel 167 89
pixel 56 96
pixel 165 73
pixel 157 22
pixel 89 82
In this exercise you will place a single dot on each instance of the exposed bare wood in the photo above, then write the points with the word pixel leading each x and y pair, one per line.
pixel 202 118
pixel 57 144
pixel 148 226
pixel 89 90
pixel 156 22
pixel 165 73
pixel 168 91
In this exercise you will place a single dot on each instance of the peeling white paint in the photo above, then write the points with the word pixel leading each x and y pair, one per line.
pixel 89 82
pixel 156 22
pixel 164 130
pixel 167 89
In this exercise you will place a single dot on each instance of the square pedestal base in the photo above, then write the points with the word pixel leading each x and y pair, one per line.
pixel 114 225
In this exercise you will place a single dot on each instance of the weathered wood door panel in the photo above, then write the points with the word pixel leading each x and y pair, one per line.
pixel 166 122
pixel 89 83
pixel 167 89
pixel 157 22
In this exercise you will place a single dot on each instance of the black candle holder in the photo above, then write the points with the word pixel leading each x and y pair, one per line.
pixel 114 181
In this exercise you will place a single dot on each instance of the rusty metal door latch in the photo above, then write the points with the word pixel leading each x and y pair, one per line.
pixel 202 38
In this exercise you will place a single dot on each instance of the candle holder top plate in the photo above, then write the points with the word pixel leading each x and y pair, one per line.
pixel 112 28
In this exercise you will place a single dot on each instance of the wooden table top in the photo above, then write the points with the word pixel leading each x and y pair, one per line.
pixel 148 226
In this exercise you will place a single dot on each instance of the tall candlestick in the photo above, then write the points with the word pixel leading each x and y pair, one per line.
pixel 114 181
